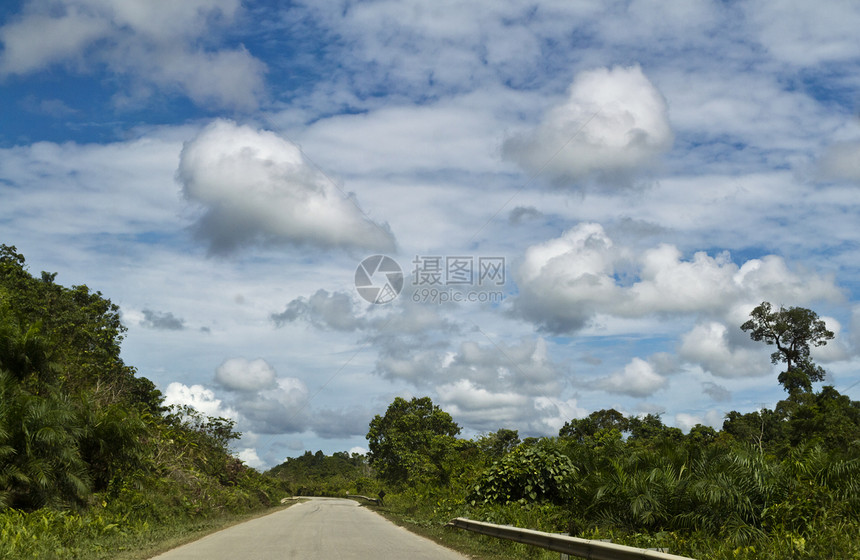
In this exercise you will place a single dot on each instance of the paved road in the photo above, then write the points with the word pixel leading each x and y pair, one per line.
pixel 324 528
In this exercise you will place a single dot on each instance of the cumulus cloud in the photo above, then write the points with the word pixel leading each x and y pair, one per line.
pixel 281 409
pixel 151 44
pixel 266 402
pixel 161 321
pixel 613 124
pixel 324 309
pixel 522 368
pixel 487 409
pixel 199 398
pixel 256 397
pixel 485 385
pixel 637 379
pixel 565 282
pixel 249 456
pixel 709 346
pixel 239 374
pixel 413 343
pixel 477 405
pixel 257 187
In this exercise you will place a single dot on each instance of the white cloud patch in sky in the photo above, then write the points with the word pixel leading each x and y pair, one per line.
pixel 522 368
pixel 708 345
pixel 483 409
pixel 152 43
pixel 257 398
pixel 613 125
pixel 712 418
pixel 258 187
pixel 249 456
pixel 842 161
pixel 805 33
pixel 323 309
pixel 276 410
pixel 637 379
pixel 239 374
pixel 199 398
pixel 565 282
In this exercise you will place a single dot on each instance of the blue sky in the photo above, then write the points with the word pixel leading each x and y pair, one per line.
pixel 648 170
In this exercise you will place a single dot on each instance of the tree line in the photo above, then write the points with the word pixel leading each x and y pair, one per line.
pixel 774 483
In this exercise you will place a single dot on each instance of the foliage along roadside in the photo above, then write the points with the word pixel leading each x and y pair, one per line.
pixel 90 460
pixel 772 484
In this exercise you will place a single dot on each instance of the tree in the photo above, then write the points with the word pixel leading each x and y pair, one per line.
pixel 496 445
pixel 412 441
pixel 793 331
pixel 600 421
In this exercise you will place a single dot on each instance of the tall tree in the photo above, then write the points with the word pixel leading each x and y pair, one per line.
pixel 412 440
pixel 794 331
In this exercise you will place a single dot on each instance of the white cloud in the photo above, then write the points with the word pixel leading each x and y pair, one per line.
pixel 483 409
pixel 249 456
pixel 257 187
pixel 150 43
pixel 523 368
pixel 566 281
pixel 39 40
pixel 842 161
pixel 637 379
pixel 708 345
pixel 835 350
pixel 712 418
pixel 613 124
pixel 282 409
pixel 198 397
pixel 239 374
pixel 323 309
pixel 806 33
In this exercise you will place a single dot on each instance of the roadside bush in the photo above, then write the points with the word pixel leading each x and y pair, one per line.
pixel 527 474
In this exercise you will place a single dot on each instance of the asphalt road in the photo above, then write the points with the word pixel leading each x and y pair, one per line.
pixel 324 528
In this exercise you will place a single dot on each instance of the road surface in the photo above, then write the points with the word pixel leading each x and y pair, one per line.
pixel 324 528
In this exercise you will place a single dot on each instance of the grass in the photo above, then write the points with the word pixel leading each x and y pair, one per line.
pixel 58 535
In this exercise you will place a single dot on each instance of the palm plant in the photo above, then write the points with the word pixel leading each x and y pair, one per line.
pixel 41 463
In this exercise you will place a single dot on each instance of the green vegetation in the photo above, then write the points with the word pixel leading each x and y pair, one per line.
pixel 91 463
pixel 772 484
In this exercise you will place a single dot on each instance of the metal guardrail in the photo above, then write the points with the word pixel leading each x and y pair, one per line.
pixel 583 548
